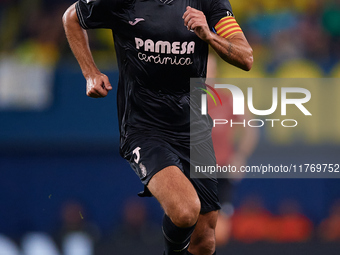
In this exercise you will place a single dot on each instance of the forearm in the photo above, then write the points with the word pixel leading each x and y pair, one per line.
pixel 97 84
pixel 78 41
pixel 235 50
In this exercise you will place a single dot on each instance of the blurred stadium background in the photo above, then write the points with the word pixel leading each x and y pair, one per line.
pixel 64 190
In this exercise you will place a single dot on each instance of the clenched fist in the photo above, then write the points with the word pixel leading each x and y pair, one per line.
pixel 196 21
pixel 97 86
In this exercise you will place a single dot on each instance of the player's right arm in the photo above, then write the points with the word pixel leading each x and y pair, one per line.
pixel 97 84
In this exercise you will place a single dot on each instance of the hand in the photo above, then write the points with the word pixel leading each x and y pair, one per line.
pixel 97 86
pixel 195 20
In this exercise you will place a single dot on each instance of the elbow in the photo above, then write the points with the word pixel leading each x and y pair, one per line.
pixel 70 14
pixel 248 64
pixel 65 17
pixel 248 60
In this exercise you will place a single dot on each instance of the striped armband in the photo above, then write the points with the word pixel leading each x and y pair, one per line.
pixel 227 26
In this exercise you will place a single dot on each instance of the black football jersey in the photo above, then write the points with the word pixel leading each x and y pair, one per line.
pixel 157 55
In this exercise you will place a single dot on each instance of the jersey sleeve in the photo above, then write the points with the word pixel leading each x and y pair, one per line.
pixel 94 14
pixel 218 10
pixel 221 19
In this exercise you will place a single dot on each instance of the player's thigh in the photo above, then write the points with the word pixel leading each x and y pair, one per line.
pixel 176 195
pixel 203 237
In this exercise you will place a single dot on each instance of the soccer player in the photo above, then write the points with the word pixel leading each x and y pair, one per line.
pixel 160 44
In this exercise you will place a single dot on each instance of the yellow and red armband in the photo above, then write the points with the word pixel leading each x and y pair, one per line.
pixel 227 26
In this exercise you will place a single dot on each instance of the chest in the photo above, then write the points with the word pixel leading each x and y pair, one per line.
pixel 155 20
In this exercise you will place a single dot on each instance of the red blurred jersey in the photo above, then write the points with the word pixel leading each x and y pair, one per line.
pixel 222 135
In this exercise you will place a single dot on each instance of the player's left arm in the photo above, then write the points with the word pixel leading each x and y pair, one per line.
pixel 233 49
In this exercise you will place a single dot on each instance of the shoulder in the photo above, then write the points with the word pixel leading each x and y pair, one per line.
pixel 215 10
pixel 218 4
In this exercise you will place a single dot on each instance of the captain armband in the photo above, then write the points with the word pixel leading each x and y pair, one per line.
pixel 227 26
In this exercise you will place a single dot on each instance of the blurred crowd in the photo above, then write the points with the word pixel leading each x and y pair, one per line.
pixel 285 35
pixel 252 222
pixel 32 46
pixel 291 39
pixel 291 34
pixel 31 30
pixel 137 233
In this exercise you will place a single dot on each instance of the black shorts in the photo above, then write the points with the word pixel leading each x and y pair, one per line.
pixel 149 155
pixel 225 187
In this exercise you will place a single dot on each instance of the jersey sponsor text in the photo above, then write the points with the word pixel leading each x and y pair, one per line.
pixel 165 47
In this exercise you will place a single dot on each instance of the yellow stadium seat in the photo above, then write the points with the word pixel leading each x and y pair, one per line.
pixel 303 5
pixel 299 69
pixel 335 73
